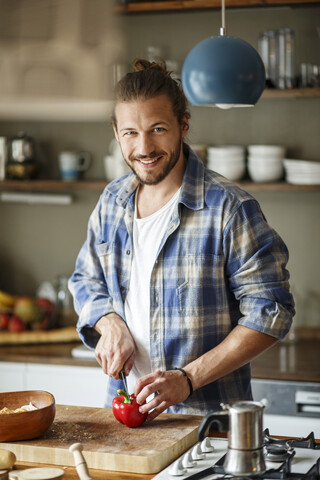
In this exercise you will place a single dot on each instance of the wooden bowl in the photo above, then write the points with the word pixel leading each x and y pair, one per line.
pixel 30 424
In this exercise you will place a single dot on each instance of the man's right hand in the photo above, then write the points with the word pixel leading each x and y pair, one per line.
pixel 115 349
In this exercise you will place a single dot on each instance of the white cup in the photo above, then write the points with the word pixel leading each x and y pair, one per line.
pixel 115 167
pixel 73 164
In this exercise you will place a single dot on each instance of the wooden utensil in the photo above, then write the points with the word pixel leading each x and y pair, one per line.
pixel 79 461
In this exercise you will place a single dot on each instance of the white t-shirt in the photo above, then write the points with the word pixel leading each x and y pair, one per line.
pixel 147 235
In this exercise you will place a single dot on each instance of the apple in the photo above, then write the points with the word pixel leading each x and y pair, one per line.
pixel 16 324
pixel 42 325
pixel 46 305
pixel 4 321
pixel 28 310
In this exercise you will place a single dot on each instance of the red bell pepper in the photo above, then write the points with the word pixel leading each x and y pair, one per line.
pixel 126 410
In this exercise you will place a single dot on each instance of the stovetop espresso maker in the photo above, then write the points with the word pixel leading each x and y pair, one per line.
pixel 243 422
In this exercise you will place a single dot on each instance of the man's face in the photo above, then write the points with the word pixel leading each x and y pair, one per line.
pixel 150 138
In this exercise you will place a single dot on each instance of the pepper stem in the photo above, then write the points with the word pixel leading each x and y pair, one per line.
pixel 126 398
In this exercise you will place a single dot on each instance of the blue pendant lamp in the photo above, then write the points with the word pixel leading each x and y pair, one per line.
pixel 223 71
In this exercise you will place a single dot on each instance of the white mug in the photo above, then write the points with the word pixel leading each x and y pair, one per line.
pixel 115 167
pixel 73 164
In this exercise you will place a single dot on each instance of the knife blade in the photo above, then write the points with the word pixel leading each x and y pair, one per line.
pixel 124 380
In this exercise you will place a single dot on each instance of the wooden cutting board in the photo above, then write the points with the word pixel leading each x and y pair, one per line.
pixel 108 444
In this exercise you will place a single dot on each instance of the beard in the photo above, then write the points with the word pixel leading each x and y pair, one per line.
pixel 153 178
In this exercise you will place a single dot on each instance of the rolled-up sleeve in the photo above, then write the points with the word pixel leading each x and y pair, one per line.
pixel 256 259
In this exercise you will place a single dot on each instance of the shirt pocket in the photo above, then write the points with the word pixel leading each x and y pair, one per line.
pixel 115 263
pixel 202 284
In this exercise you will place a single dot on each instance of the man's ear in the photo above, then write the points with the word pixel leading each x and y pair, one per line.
pixel 114 126
pixel 185 125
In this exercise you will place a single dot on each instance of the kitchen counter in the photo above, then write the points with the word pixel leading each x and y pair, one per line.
pixel 56 354
pixel 298 361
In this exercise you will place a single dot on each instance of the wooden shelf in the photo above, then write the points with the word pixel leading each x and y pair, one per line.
pixel 52 185
pixel 174 5
pixel 96 185
pixel 291 93
pixel 277 187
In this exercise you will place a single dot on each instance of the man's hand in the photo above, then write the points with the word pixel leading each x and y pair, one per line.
pixel 116 348
pixel 171 388
pixel 238 348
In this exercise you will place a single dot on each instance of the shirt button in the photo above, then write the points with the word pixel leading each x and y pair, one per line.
pixel 128 252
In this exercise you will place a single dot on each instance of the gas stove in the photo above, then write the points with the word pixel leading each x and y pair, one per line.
pixel 286 459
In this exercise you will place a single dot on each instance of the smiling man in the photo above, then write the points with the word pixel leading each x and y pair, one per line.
pixel 150 138
pixel 181 281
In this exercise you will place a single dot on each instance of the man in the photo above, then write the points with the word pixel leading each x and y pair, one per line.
pixel 181 282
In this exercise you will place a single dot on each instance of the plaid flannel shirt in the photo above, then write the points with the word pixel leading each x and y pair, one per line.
pixel 220 264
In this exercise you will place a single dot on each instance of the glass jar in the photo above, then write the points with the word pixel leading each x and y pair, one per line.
pixel 66 314
pixel 285 54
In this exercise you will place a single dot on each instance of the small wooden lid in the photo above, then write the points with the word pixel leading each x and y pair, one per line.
pixel 44 473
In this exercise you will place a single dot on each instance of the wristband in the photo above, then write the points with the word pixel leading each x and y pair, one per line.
pixel 188 380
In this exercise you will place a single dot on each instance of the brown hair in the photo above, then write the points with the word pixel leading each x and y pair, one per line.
pixel 148 80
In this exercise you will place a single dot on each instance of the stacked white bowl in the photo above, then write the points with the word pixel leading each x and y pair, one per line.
pixel 302 172
pixel 265 162
pixel 229 161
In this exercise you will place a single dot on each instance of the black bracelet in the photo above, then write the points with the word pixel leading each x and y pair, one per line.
pixel 188 380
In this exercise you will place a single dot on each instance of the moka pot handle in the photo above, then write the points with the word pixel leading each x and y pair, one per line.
pixel 220 418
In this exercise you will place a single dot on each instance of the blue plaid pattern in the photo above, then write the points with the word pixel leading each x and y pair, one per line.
pixel 220 264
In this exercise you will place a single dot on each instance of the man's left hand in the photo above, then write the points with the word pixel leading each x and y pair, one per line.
pixel 170 387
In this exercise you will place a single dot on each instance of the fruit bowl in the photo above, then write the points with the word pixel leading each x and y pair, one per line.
pixel 28 424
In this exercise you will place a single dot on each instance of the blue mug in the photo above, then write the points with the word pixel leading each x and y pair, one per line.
pixel 73 164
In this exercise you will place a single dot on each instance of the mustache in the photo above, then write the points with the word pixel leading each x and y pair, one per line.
pixel 150 156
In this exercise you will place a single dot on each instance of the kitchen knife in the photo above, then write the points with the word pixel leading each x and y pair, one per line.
pixel 124 379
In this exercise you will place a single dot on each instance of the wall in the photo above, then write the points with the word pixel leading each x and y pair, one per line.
pixel 38 243
pixel 52 48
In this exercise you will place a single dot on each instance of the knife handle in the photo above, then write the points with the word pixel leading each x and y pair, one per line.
pixel 79 461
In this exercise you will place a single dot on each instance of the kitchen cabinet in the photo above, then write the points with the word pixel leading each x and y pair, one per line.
pixel 286 379
pixel 12 376
pixel 70 384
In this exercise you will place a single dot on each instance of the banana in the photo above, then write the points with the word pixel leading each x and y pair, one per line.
pixel 7 300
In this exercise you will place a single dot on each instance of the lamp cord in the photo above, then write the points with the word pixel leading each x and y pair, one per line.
pixel 223 18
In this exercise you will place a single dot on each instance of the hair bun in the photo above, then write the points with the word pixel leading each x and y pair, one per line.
pixel 140 64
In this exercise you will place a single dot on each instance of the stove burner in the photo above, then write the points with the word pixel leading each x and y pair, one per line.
pixel 277 453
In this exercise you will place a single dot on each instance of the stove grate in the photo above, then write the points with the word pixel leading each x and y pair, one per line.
pixel 303 442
